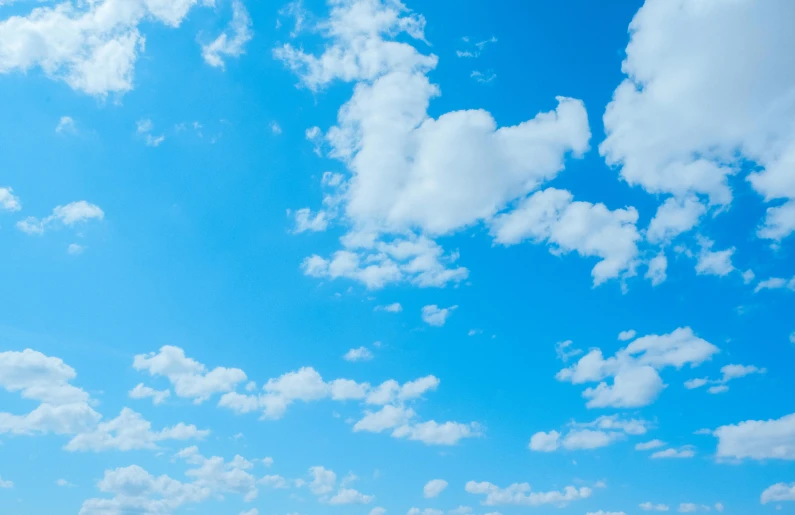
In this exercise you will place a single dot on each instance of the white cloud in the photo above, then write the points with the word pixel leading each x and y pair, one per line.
pixel 563 352
pixel 144 128
pixel 778 492
pixel 683 452
pixel 714 263
pixel 435 433
pixel 63 408
pixel 601 432
pixel 387 417
pixel 426 511
pixel 657 267
pixel 521 494
pixel 142 392
pixel 9 201
pixel 232 42
pixel 130 431
pixel 323 480
pixel 775 283
pixel 647 506
pixel 434 487
pixel 359 354
pixel 252 511
pixel 651 444
pixel 189 378
pixel 420 177
pixel 601 512
pixel 698 382
pixel 435 316
pixel 748 276
pixel 66 125
pixel 675 216
pixel 729 373
pixel 378 511
pixel 634 369
pixel 552 216
pixel 626 335
pixel 4 483
pixel 306 221
pixel 91 46
pixel 350 496
pixel 64 483
pixel 758 439
pixel 678 57
pixel 544 442
pixel 718 389
pixel 68 215
pixel 75 249
pixel 687 507
pixel 474 49
pixel 395 307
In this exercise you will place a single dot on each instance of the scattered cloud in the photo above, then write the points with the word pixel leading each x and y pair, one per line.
pixel 232 42
pixel 758 439
pixel 520 494
pixel 359 354
pixel 67 215
pixel 435 316
pixel 434 487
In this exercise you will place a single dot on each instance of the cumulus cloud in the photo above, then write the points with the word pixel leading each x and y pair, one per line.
pixel 436 316
pixel 9 201
pixel 66 125
pixel 729 373
pixel 758 439
pixel 634 370
pixel 142 392
pixel 778 492
pixel 434 487
pixel 358 354
pixel 687 53
pixel 601 432
pixel 67 215
pixel 520 494
pixel 232 42
pixel 651 444
pixel 648 506
pixel 683 452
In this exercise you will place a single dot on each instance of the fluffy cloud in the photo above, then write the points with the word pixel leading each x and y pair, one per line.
pixel 414 177
pixel 358 354
pixel 677 58
pixel 130 431
pixel 142 392
pixel 68 215
pixel 63 408
pixel 729 372
pixel 520 494
pixel 390 308
pixel 758 439
pixel 778 492
pixel 648 506
pixel 4 483
pixel 9 201
pixel 434 487
pixel 775 283
pixel 189 378
pixel 590 435
pixel 233 41
pixel 350 496
pixel 684 452
pixel 714 262
pixel 601 512
pixel 651 444
pixel 635 369
pixel 436 316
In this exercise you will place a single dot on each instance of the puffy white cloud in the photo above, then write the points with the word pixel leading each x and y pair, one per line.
pixel 66 125
pixel 729 372
pixel 634 369
pixel 775 283
pixel 9 201
pixel 521 494
pixel 426 511
pixel 678 57
pixel 63 483
pixel 563 352
pixel 350 496
pixel 436 316
pixel 144 128
pixel 683 452
pixel 130 431
pixel 758 439
pixel 651 444
pixel 4 483
pixel 552 216
pixel 395 307
pixel 544 442
pixel 627 335
pixel 142 392
pixel 687 507
pixel 232 42
pixel 323 480
pixel 68 215
pixel 306 221
pixel 435 433
pixel 714 262
pixel 189 378
pixel 387 417
pixel 413 176
pixel 274 481
pixel 378 510
pixel 358 354
pixel 778 492
pixel 434 487
pixel 252 511
pixel 602 512
pixel 673 217
pixel 648 506
pixel 63 408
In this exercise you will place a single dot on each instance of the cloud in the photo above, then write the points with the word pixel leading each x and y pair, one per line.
pixel 66 125
pixel 189 378
pixel 680 52
pixel 5 483
pixel 775 283
pixel 130 431
pixel 714 263
pixel 75 249
pixel 601 432
pixel 758 439
pixel 64 483
pixel 474 49
pixel 9 201
pixel 634 369
pixel 601 512
pixel 647 506
pixel 435 433
pixel 232 42
pixel 435 316
pixel 66 215
pixel 144 128
pixel 63 408
pixel 390 308
pixel 142 392
pixel 433 488
pixel 520 494
pixel 417 177
pixel 778 492
pixel 651 444
pixel 544 442
pixel 729 373
pixel 91 46
pixel 359 354
pixel 683 452
pixel 306 221
pixel 626 335
pixel 350 496
pixel 657 267
pixel 323 480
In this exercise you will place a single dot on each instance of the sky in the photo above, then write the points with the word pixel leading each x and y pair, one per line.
pixel 363 257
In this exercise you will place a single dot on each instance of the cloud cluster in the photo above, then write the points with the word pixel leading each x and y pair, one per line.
pixel 601 432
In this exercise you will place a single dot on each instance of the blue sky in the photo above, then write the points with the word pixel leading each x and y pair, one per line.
pixel 359 257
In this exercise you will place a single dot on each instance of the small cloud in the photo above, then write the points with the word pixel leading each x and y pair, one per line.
pixel 474 332
pixel 626 335
pixel 267 461
pixel 9 201
pixel 66 125
pixel 276 128
pixel 64 483
pixel 390 308
pixel 75 249
pixel 360 354
pixel 435 316
pixel 483 77
pixel 144 127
